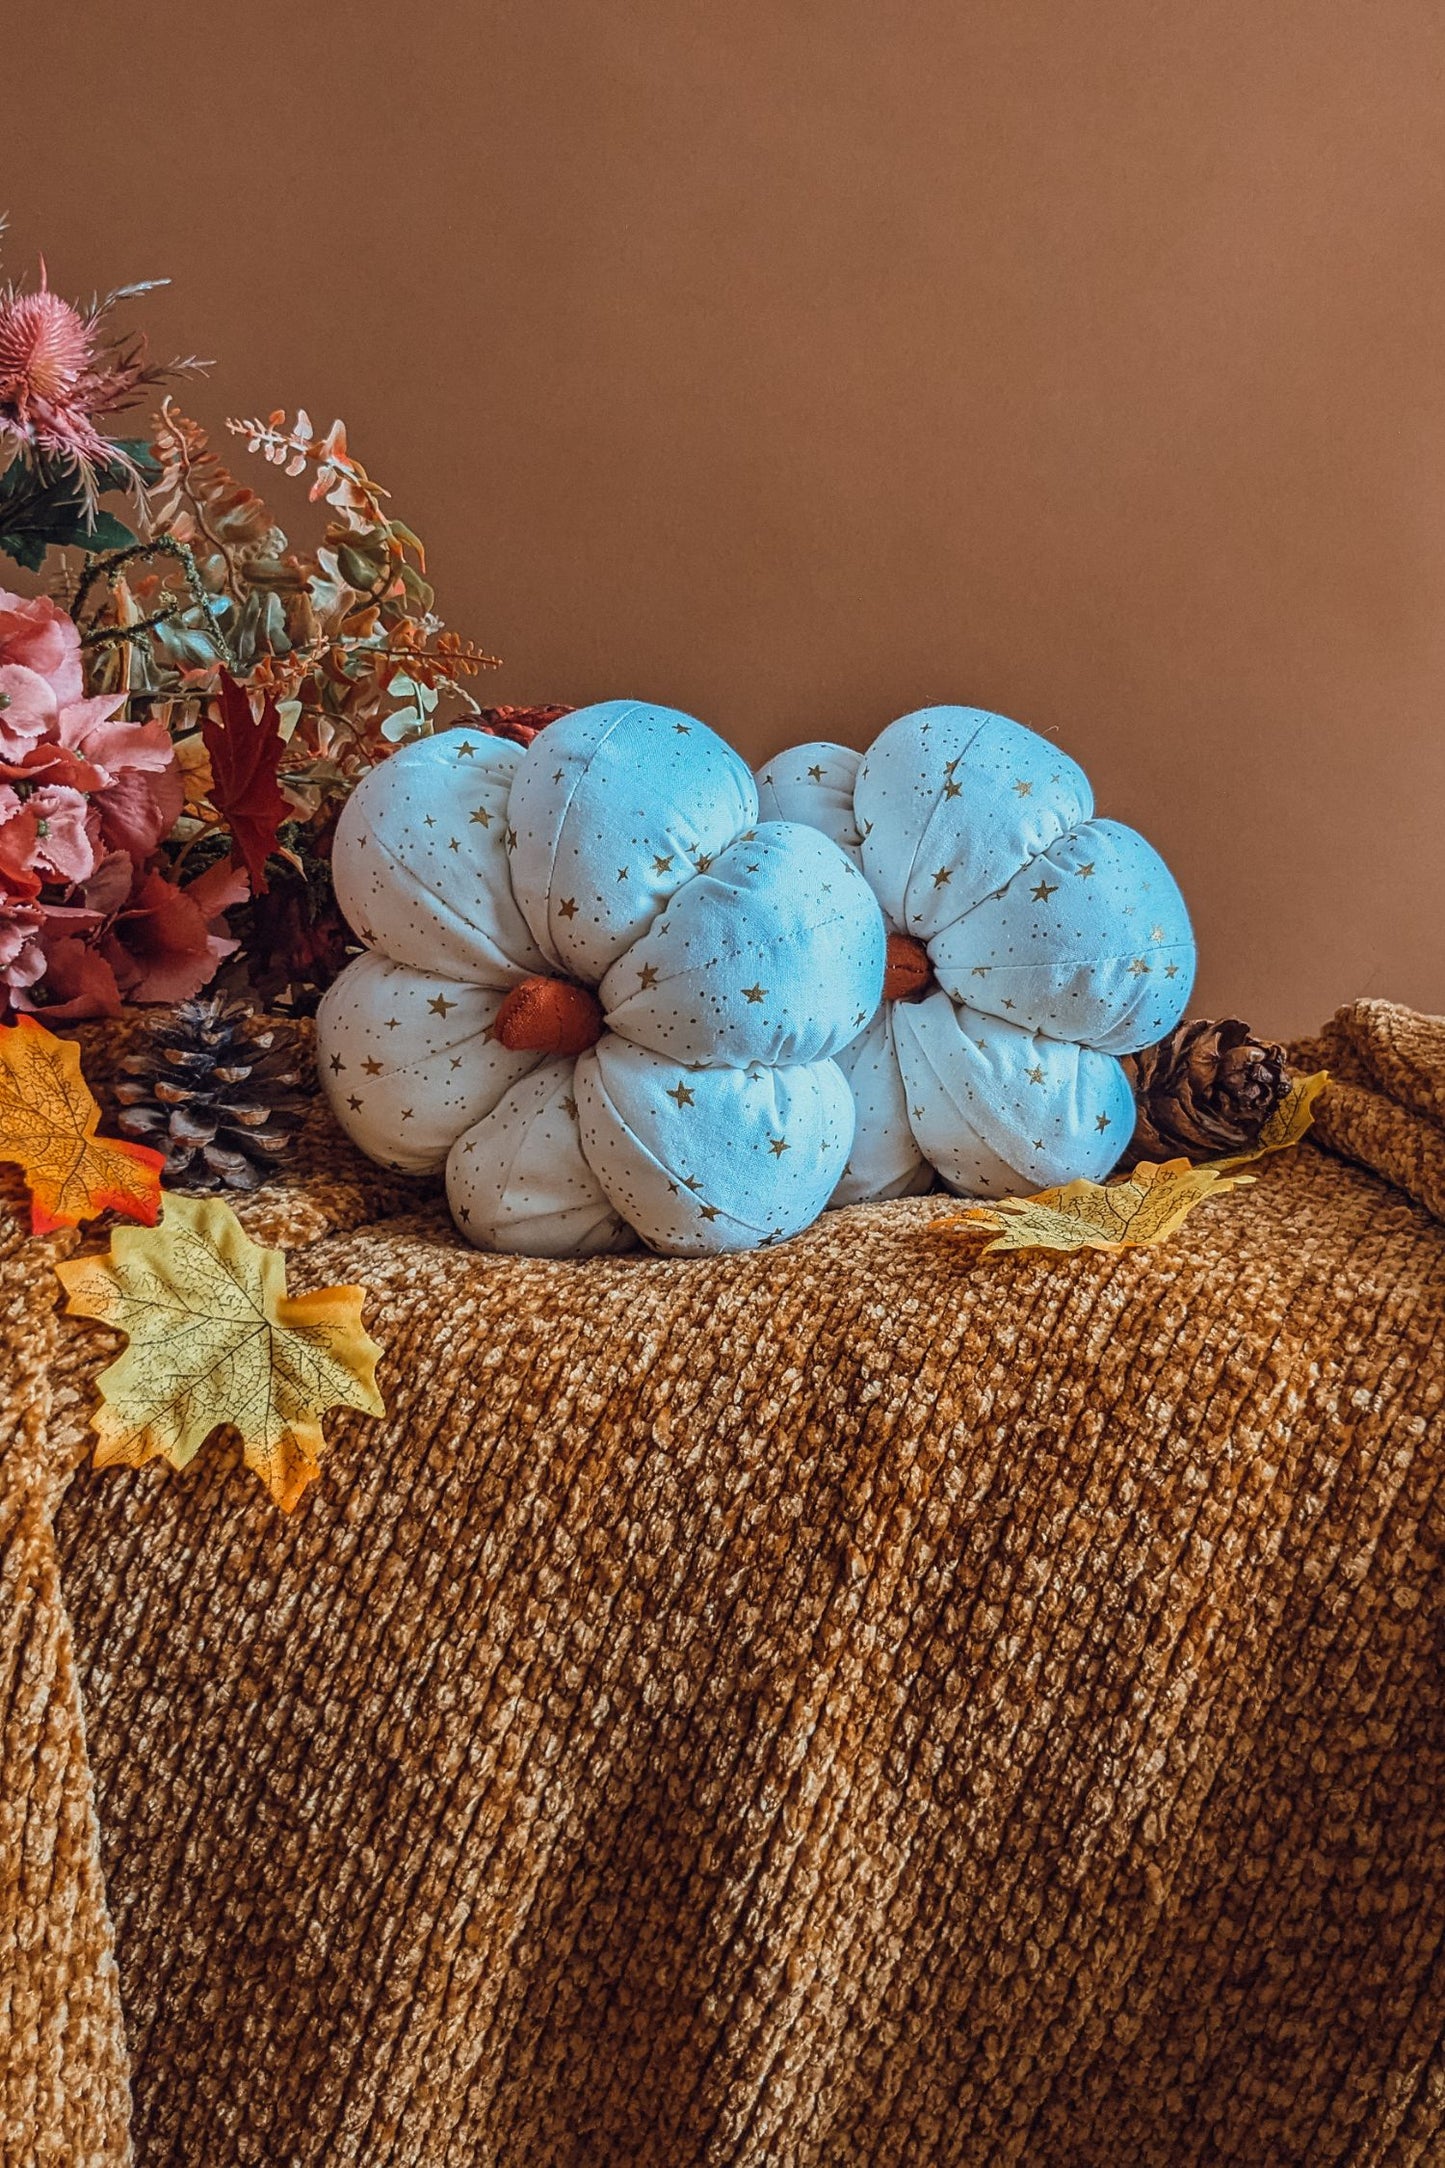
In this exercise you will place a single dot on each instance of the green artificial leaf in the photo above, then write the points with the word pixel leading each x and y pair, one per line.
pixel 105 532
pixel 43 508
pixel 142 453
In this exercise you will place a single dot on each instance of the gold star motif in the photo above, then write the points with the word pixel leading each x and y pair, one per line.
pixel 439 1006
pixel 1024 790
pixel 703 862
pixel 754 994
pixel 1156 933
pixel 707 1211
pixel 1102 1124
pixel 816 773
pixel 942 878
pixel 337 1065
pixel 453 844
pixel 952 789
pixel 558 776
pixel 406 1113
pixel 372 1067
pixel 428 822
pixel 465 750
pixel 1045 889
pixel 684 730
pixel 1007 1003
pixel 682 1095
pixel 647 976
pixel 482 817
pixel 1085 873
pixel 393 1023
pixel 510 839
pixel 691 1181
pixel 1036 1074
pixel 662 865
pixel 456 1061
pixel 1139 969
pixel 567 908
pixel 1171 971
pixel 778 1146
pixel 981 971
pixel 622 873
pixel 465 1215
pixel 354 1103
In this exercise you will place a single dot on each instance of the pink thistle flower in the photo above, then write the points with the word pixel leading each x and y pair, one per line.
pixel 58 371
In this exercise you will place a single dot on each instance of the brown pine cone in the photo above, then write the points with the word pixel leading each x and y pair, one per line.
pixel 217 1088
pixel 1204 1092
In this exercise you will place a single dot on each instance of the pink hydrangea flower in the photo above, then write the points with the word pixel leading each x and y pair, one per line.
pixel 38 636
pixel 48 833
pixel 86 798
pixel 51 733
pixel 22 958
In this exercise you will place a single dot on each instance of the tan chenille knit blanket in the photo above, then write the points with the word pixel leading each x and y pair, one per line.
pixel 846 1706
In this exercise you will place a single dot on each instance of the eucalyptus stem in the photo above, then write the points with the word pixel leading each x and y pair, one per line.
pixel 107 567
pixel 127 635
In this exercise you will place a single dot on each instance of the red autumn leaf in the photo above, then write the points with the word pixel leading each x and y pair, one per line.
pixel 245 751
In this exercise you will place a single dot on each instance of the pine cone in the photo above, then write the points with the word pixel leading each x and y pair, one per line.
pixel 1205 1091
pixel 218 1091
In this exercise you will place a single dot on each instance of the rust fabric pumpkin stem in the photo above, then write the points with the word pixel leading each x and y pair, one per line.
pixel 908 974
pixel 549 1016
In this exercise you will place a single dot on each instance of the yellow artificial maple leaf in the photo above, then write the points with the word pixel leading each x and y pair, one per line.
pixel 48 1118
pixel 1149 1205
pixel 215 1338
pixel 1146 1206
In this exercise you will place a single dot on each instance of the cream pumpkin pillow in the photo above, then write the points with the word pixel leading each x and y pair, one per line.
pixel 1030 945
pixel 597 988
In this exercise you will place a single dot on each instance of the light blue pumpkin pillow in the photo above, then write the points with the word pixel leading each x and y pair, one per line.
pixel 1030 945
pixel 597 987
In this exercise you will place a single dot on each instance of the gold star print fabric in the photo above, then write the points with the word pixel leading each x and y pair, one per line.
pixel 1058 941
pixel 411 1059
pixel 724 972
pixel 733 959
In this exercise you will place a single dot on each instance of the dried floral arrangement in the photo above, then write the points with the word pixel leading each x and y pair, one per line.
pixel 185 711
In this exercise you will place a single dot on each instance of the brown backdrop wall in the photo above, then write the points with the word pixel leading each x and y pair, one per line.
pixel 799 361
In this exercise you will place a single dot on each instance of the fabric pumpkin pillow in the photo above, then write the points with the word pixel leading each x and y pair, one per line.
pixel 1029 946
pixel 597 988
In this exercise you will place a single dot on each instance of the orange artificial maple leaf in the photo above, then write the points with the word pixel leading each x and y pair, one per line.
pixel 48 1119
pixel 215 1339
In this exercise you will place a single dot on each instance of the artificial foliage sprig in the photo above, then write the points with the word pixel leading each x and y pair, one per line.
pixel 213 694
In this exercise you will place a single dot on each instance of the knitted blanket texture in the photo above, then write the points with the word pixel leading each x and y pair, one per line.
pixel 852 1705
